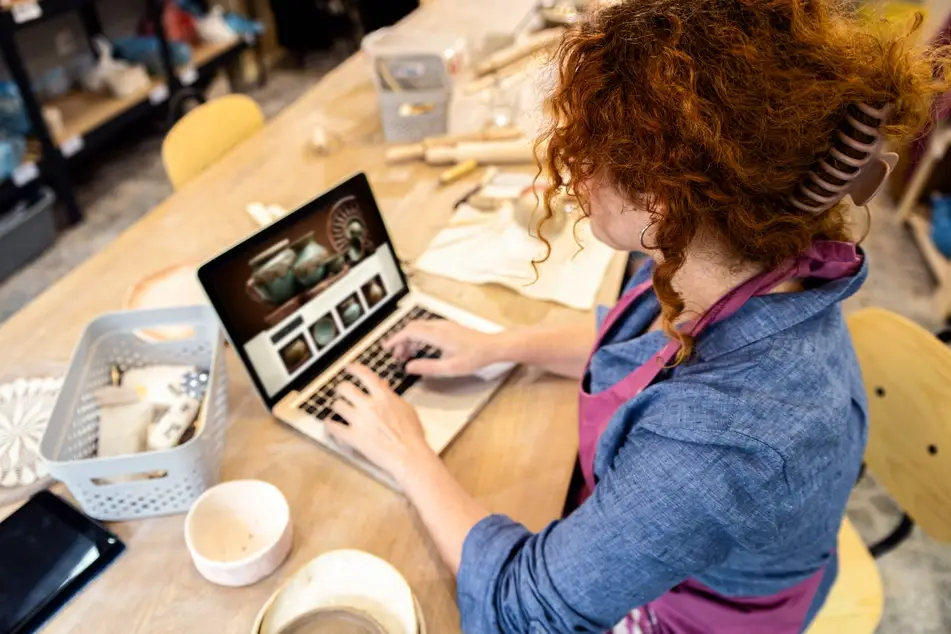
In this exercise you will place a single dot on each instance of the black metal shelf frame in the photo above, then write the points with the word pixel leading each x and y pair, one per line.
pixel 54 164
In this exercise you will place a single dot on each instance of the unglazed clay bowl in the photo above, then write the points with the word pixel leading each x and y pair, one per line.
pixel 346 586
pixel 239 532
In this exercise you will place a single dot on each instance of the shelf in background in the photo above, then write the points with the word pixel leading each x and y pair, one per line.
pixel 83 112
pixel 202 54
pixel 208 57
pixel 920 228
pixel 23 13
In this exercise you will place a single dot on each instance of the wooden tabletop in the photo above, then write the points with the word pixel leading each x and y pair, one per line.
pixel 516 457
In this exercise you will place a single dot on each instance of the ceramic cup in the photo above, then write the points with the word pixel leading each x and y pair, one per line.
pixel 239 532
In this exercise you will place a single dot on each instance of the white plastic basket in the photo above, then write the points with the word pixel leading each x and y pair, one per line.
pixel 150 483
pixel 410 115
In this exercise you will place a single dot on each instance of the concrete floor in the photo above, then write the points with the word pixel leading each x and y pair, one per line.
pixel 917 576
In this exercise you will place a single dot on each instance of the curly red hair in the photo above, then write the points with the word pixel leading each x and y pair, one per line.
pixel 714 110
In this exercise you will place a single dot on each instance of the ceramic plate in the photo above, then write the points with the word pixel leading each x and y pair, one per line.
pixel 25 407
pixel 349 579
pixel 176 285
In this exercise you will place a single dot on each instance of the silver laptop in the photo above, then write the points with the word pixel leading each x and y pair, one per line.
pixel 320 289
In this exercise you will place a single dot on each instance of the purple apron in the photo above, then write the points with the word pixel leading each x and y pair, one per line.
pixel 691 607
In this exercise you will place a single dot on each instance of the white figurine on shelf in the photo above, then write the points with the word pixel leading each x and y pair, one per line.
pixel 120 78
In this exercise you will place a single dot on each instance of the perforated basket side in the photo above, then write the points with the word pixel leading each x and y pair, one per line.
pixel 126 487
pixel 406 128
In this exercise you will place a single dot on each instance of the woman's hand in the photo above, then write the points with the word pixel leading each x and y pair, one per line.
pixel 463 350
pixel 383 427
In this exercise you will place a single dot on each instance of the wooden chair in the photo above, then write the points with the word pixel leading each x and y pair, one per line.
pixel 206 134
pixel 907 374
pixel 854 605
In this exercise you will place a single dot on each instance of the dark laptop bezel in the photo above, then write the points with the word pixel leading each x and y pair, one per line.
pixel 356 184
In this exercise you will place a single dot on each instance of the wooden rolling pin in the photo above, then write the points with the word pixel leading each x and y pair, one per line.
pixel 531 44
pixel 416 151
pixel 487 134
pixel 501 152
pixel 405 152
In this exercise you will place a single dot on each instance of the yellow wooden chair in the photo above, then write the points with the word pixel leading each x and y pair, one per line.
pixel 907 374
pixel 206 134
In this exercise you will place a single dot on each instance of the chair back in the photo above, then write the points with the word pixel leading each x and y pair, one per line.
pixel 907 374
pixel 206 134
pixel 856 600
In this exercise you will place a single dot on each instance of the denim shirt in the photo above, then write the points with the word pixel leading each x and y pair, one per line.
pixel 732 469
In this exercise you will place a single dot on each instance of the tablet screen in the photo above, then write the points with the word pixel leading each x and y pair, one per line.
pixel 44 550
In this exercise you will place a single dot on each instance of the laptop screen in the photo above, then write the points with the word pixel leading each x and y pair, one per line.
pixel 299 293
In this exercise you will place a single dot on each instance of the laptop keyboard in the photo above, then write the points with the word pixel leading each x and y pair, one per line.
pixel 375 357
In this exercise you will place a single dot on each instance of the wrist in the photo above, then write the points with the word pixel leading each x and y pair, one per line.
pixel 417 469
pixel 505 346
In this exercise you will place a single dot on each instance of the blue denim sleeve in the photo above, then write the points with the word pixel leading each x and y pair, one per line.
pixel 654 519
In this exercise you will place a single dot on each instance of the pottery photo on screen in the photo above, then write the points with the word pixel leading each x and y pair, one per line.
pixel 274 275
pixel 296 353
pixel 350 310
pixel 311 264
pixel 324 331
pixel 347 229
pixel 373 291
pixel 272 278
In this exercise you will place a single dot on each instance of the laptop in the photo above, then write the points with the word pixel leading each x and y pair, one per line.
pixel 322 288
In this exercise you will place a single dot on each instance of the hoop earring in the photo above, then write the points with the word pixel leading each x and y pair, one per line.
pixel 868 225
pixel 643 231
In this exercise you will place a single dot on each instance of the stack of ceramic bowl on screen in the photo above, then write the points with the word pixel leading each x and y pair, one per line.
pixel 342 592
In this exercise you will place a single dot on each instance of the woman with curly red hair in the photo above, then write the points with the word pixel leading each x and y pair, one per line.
pixel 722 416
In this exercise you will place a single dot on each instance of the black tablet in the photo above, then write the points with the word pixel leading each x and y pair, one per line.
pixel 48 552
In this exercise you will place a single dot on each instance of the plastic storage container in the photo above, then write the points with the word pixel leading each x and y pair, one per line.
pixel 26 231
pixel 142 484
pixel 413 77
pixel 412 114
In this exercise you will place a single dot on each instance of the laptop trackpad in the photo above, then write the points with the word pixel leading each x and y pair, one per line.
pixel 445 405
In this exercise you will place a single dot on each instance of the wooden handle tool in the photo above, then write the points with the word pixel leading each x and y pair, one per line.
pixel 486 152
pixel 531 44
pixel 457 171
pixel 405 152
pixel 486 134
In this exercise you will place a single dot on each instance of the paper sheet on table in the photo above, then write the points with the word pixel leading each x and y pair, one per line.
pixel 487 248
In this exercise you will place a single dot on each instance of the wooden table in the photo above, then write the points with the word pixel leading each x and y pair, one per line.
pixel 516 457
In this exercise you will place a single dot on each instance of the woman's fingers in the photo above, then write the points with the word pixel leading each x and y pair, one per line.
pixel 346 411
pixel 374 384
pixel 352 394
pixel 432 367
pixel 404 350
pixel 340 432
pixel 415 333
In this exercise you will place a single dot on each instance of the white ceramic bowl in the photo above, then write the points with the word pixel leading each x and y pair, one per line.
pixel 239 532
pixel 348 579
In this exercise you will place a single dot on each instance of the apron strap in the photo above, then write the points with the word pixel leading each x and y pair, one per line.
pixel 826 259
